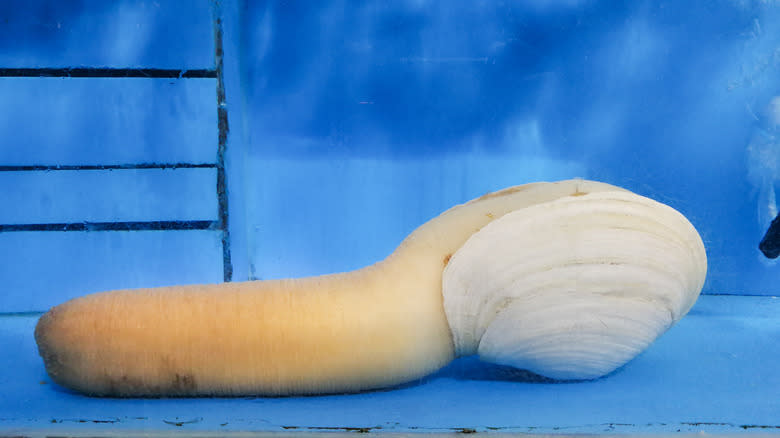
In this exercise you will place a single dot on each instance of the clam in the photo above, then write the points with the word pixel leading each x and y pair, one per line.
pixel 569 280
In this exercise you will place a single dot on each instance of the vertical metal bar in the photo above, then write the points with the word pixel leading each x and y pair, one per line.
pixel 222 124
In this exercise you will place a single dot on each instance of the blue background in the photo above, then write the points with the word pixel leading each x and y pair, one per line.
pixel 427 104
pixel 351 123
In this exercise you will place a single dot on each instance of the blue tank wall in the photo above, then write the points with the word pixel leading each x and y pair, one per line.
pixel 426 104
pixel 350 124
pixel 74 150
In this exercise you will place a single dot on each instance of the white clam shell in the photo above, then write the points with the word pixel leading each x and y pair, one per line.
pixel 573 288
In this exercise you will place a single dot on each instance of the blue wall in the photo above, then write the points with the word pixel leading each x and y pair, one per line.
pixel 81 121
pixel 353 123
pixel 430 103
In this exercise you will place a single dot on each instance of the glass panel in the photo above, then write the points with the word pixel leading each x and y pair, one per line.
pixel 366 120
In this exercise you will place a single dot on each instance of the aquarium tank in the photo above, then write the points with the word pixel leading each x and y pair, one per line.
pixel 161 143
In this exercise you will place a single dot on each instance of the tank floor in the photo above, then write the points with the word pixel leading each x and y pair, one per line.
pixel 717 371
